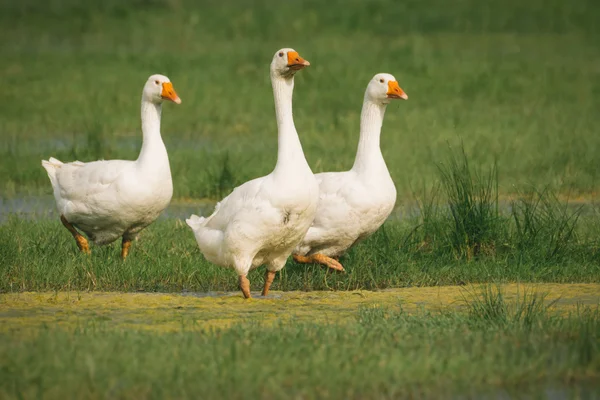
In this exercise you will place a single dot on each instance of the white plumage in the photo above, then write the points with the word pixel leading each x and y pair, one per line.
pixel 262 221
pixel 354 204
pixel 117 198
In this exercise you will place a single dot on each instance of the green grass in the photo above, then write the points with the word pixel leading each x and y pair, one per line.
pixel 460 233
pixel 42 255
pixel 517 81
pixel 464 215
pixel 492 347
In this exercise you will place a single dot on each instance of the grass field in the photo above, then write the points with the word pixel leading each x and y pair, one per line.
pixel 494 157
pixel 43 256
pixel 491 347
pixel 460 233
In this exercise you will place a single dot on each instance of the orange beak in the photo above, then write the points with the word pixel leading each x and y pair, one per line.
pixel 168 93
pixel 296 62
pixel 394 91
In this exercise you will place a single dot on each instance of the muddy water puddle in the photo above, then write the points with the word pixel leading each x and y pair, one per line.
pixel 173 312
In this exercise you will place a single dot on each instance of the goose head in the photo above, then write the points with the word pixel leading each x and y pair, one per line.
pixel 286 62
pixel 384 88
pixel 159 88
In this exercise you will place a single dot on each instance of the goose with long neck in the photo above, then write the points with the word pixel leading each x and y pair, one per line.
pixel 355 203
pixel 368 153
pixel 290 156
pixel 107 200
pixel 262 221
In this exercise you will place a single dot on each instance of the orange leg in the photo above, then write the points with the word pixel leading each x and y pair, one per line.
pixel 125 245
pixel 82 242
pixel 320 259
pixel 269 276
pixel 302 259
pixel 245 286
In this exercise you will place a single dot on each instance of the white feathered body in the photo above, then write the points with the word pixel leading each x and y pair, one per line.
pixel 110 199
pixel 355 203
pixel 352 206
pixel 263 220
pixel 260 222
pixel 117 198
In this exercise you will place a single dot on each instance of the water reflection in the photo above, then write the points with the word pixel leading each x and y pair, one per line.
pixel 44 207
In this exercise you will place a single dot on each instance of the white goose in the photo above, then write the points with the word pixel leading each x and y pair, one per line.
pixel 262 221
pixel 112 199
pixel 354 204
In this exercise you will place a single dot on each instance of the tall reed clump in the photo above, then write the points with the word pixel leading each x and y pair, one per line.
pixel 467 223
pixel 544 228
pixel 462 218
pixel 472 196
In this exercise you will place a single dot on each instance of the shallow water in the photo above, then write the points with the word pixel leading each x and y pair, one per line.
pixel 166 312
pixel 44 207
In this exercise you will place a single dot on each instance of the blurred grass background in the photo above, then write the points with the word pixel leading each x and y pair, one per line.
pixel 516 81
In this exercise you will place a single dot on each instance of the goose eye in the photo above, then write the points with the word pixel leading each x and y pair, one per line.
pixel 157 82
pixel 381 80
pixel 281 54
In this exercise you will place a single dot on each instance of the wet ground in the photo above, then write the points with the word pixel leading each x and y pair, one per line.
pixel 172 312
pixel 44 207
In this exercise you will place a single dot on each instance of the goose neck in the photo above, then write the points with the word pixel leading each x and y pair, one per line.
pixel 283 90
pixel 368 154
pixel 153 149
pixel 289 153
